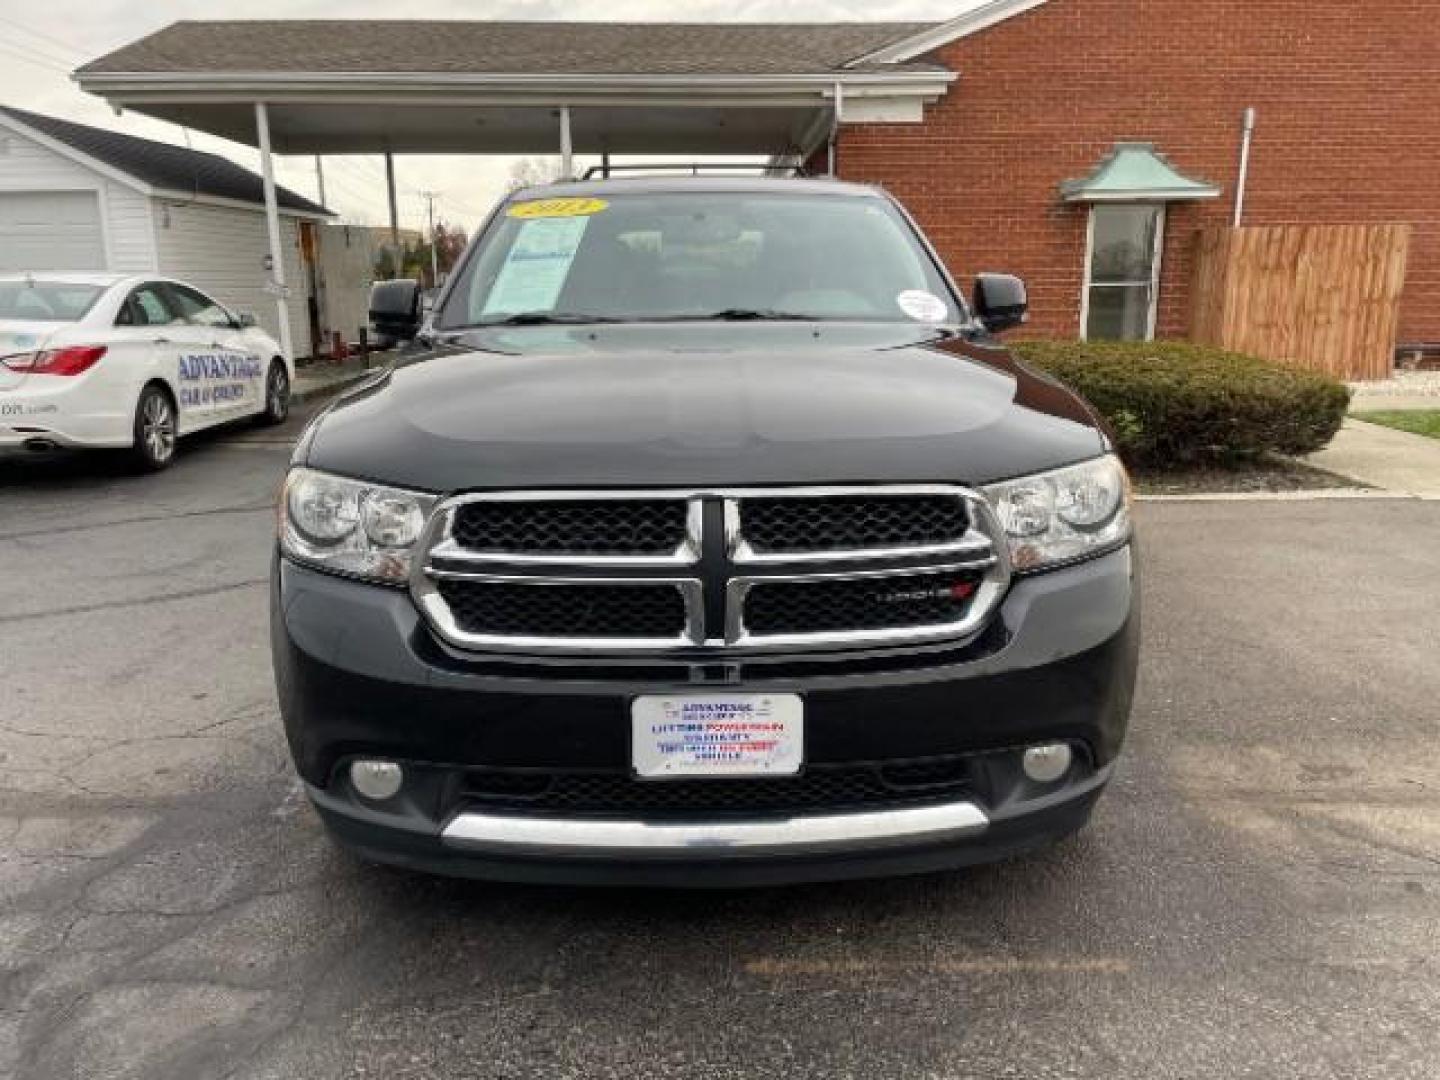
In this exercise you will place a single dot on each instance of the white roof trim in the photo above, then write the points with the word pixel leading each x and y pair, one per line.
pixel 80 158
pixel 972 22
pixel 187 198
pixel 237 85
pixel 1148 195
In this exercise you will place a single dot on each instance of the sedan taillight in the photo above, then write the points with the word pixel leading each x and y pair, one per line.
pixel 71 360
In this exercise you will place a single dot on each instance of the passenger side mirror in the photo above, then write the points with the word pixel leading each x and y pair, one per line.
pixel 395 308
pixel 1001 301
pixel 244 320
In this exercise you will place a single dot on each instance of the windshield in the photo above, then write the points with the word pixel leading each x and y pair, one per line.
pixel 47 301
pixel 677 255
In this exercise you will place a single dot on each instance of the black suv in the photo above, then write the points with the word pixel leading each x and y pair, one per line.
pixel 704 536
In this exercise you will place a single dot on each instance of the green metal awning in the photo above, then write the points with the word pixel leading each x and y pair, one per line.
pixel 1136 172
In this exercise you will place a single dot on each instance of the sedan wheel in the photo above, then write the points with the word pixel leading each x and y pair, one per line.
pixel 277 395
pixel 154 429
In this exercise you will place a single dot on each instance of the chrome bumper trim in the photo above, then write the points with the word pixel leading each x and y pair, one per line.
pixel 588 838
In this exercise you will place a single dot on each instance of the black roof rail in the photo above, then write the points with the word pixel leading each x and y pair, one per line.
pixel 696 168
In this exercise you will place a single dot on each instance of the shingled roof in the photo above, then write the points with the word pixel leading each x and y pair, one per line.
pixel 161 165
pixel 479 48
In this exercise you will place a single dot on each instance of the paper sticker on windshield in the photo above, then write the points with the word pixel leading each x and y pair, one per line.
pixel 557 208
pixel 536 266
pixel 923 306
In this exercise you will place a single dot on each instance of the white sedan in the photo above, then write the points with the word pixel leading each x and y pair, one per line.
pixel 105 360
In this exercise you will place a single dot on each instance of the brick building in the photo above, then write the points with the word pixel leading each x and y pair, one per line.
pixel 1077 143
pixel 1347 101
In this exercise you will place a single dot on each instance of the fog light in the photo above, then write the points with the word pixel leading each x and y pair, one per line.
pixel 376 780
pixel 1048 763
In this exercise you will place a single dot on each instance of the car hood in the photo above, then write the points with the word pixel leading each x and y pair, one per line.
pixel 706 406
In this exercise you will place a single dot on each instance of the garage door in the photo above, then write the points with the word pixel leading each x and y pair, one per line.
pixel 50 230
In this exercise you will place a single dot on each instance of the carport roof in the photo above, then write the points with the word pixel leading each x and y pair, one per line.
pixel 360 86
pixel 560 48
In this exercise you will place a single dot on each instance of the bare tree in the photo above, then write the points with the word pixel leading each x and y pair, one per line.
pixel 533 171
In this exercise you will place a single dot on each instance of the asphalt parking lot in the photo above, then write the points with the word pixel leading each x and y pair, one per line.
pixel 1258 896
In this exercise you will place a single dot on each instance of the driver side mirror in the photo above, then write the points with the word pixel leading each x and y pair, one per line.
pixel 244 320
pixel 395 308
pixel 1001 301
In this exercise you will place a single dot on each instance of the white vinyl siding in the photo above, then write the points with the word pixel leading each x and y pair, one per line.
pixel 131 234
pixel 51 230
pixel 221 251
pixel 127 236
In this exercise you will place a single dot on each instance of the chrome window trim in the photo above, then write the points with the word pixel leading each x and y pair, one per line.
pixel 433 606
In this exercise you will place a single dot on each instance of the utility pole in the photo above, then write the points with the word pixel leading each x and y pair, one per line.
pixel 394 212
pixel 429 197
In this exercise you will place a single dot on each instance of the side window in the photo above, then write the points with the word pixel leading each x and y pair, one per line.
pixel 195 307
pixel 146 306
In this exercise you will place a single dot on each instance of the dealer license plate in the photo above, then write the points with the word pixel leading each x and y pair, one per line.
pixel 717 735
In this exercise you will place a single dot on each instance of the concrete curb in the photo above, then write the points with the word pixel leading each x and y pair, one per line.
pixel 1319 495
pixel 1383 458
pixel 308 389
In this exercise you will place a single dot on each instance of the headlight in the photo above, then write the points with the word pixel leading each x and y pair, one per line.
pixel 1061 516
pixel 350 526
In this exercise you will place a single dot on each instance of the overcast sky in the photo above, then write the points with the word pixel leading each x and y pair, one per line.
pixel 42 41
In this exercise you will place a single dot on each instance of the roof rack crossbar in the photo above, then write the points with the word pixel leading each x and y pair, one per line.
pixel 696 168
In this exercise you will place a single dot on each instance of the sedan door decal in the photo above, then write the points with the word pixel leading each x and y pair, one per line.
pixel 215 378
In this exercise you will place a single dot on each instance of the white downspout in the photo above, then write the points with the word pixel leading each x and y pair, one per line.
pixel 272 225
pixel 1244 166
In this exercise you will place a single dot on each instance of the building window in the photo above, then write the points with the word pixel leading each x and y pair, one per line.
pixel 1122 271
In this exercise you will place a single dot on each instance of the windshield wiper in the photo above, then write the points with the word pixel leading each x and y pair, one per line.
pixel 738 314
pixel 542 318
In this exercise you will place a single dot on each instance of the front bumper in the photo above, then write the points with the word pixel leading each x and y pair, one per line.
pixel 359 674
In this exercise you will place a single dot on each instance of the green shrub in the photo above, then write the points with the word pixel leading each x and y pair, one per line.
pixel 1173 404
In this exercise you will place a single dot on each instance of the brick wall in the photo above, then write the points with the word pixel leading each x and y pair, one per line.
pixel 1348 96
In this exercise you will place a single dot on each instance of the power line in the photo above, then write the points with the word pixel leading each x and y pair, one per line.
pixel 65 46
pixel 37 59
pixel 27 48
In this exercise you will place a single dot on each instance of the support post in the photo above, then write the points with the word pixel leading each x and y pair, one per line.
pixel 835 125
pixel 567 155
pixel 394 210
pixel 272 226
pixel 320 178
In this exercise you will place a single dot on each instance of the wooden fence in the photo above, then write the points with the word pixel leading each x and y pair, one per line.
pixel 1325 297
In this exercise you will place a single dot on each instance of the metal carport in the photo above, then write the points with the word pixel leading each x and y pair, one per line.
pixel 345 87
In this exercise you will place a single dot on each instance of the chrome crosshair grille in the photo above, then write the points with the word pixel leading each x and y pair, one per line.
pixel 737 569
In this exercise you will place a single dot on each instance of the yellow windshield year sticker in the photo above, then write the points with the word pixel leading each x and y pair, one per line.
pixel 552 208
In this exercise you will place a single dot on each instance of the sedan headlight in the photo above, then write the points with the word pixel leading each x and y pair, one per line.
pixel 1065 515
pixel 351 526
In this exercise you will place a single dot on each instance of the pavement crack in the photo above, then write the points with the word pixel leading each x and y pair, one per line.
pixel 140 602
pixel 267 507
